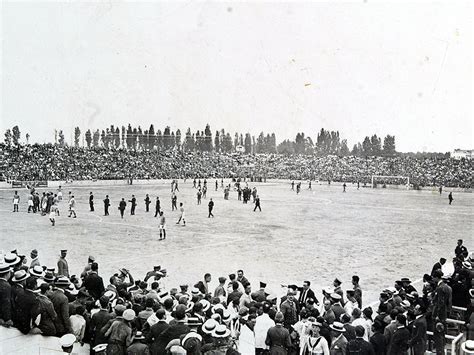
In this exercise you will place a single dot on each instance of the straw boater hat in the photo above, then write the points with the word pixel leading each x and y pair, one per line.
pixel 209 325
pixel 468 347
pixel 217 306
pixel 205 305
pixel 138 336
pixel 226 316
pixel 99 348
pixel 338 327
pixel 195 291
pixel 37 271
pixel 220 331
pixel 110 294
pixel 12 259
pixel 19 276
pixel 62 281
pixel 467 265
pixel 4 267
pixel 48 277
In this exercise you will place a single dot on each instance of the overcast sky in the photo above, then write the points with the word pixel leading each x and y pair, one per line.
pixel 361 68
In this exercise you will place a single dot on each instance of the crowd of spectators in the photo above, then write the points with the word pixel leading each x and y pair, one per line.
pixel 130 316
pixel 53 162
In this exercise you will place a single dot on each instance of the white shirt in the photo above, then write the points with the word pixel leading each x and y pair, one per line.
pixel 302 329
pixel 263 323
pixel 78 326
pixel 246 341
pixel 321 348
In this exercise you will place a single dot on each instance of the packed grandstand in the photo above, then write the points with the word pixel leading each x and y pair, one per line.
pixel 55 162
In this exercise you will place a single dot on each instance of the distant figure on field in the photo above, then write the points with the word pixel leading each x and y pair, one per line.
pixel 91 202
pixel 162 226
pixel 211 206
pixel 122 206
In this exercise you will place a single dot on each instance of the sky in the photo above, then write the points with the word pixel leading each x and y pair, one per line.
pixel 400 68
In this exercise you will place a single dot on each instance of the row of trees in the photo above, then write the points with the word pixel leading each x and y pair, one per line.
pixel 330 143
pixel 134 138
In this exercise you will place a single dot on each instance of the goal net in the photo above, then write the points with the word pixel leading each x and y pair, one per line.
pixel 384 180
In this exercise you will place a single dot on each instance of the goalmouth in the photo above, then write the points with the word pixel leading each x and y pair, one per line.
pixel 385 180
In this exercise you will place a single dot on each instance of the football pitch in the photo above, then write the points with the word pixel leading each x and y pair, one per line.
pixel 378 234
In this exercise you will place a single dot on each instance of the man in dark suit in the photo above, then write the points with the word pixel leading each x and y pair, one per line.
pixel 106 205
pixel 133 201
pixel 438 265
pixel 61 306
pixel 174 331
pixel 235 294
pixel 26 306
pixel 357 290
pixel 147 203
pixel 305 293
pixel 242 279
pixel 377 339
pixel 260 295
pixel 418 335
pixel 401 337
pixel 91 202
pixel 460 249
pixel 359 345
pixel 442 302
pixel 94 283
pixel 157 206
pixel 203 286
pixel 153 337
pixel 98 321
pixel 122 206
pixel 5 296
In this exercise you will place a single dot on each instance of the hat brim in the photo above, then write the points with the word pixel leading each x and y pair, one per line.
pixel 467 351
pixel 206 331
pixel 14 262
pixel 337 330
pixel 4 270
pixel 14 279
pixel 225 335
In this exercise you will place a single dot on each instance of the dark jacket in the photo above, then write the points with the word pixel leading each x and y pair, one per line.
pixel 61 307
pixel 26 309
pixel 94 285
pixel 442 301
pixel 400 342
pixel 305 296
pixel 278 339
pixel 360 347
pixel 378 343
pixel 5 301
pixel 98 321
pixel 418 336
pixel 153 337
pixel 172 332
pixel 48 315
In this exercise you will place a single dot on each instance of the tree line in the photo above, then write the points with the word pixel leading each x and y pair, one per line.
pixel 135 138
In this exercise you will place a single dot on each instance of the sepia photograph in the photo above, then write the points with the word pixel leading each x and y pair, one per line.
pixel 236 177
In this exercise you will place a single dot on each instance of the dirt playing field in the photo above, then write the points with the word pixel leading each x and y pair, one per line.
pixel 380 235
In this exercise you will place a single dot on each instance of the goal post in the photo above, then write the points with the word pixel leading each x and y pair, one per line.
pixel 390 180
